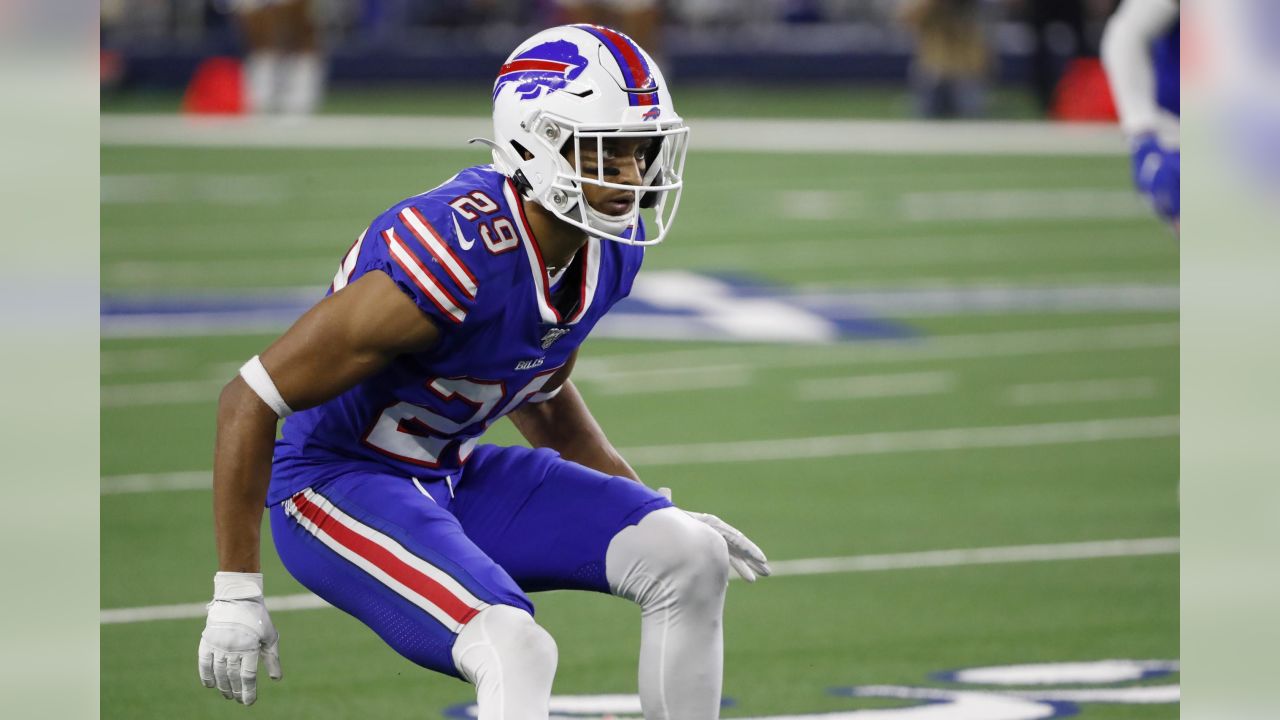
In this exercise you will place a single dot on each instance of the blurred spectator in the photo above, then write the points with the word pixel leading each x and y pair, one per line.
pixel 1058 35
pixel 639 19
pixel 283 68
pixel 952 59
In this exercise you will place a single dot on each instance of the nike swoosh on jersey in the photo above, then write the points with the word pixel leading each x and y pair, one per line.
pixel 462 239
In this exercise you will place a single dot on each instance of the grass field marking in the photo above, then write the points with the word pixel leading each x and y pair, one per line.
pixel 1021 204
pixel 938 347
pixel 308 269
pixel 978 556
pixel 140 360
pixel 742 135
pixel 214 189
pixel 876 443
pixel 875 386
pixel 1115 278
pixel 157 482
pixel 649 368
pixel 781 568
pixel 707 377
pixel 953 299
pixel 1077 391
pixel 917 206
pixel 162 393
pixel 907 251
pixel 963 438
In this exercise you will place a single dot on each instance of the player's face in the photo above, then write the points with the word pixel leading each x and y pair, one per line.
pixel 622 162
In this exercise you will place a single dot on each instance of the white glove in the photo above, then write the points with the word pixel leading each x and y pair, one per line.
pixel 744 556
pixel 237 631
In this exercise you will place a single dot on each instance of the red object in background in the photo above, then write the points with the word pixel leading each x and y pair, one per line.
pixel 1083 94
pixel 216 88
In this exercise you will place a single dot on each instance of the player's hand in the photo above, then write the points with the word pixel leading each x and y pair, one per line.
pixel 745 557
pixel 238 632
pixel 1157 173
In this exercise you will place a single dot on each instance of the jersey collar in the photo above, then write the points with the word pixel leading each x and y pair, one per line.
pixel 590 254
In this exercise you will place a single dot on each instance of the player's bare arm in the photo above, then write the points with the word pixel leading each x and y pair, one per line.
pixel 565 424
pixel 342 340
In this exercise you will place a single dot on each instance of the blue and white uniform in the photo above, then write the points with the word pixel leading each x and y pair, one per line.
pixel 1140 50
pixel 383 502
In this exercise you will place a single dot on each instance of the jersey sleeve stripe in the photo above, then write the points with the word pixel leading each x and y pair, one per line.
pixel 423 279
pixel 384 558
pixel 439 249
pixel 348 264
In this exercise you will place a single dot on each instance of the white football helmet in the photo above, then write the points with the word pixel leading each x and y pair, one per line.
pixel 584 84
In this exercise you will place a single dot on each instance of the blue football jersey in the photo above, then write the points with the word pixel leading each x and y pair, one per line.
pixel 466 256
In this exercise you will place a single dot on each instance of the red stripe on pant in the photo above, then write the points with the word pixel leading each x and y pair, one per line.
pixel 379 556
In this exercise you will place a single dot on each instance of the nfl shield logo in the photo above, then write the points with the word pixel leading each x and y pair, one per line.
pixel 553 335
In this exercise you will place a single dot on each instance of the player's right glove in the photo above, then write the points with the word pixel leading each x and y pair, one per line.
pixel 237 632
pixel 1157 173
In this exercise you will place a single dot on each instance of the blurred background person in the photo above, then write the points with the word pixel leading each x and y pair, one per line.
pixel 283 68
pixel 952 62
pixel 639 19
pixel 1057 36
pixel 1140 50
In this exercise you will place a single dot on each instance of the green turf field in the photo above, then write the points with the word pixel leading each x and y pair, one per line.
pixel 1082 401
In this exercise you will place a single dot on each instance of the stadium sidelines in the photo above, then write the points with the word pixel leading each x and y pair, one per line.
pixel 712 134
pixel 875 443
pixel 782 568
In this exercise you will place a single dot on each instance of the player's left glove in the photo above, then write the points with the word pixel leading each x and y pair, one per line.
pixel 237 632
pixel 1157 173
pixel 744 556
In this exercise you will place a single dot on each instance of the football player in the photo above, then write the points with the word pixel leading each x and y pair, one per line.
pixel 454 308
pixel 1141 53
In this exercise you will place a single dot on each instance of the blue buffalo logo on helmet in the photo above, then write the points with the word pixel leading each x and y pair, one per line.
pixel 541 69
pixel 653 113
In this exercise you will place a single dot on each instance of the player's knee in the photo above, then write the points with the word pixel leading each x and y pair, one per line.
pixel 502 639
pixel 668 555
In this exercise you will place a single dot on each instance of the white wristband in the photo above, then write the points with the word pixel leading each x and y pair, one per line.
pixel 236 586
pixel 258 379
pixel 545 396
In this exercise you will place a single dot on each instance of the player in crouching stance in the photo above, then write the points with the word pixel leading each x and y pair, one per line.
pixel 457 307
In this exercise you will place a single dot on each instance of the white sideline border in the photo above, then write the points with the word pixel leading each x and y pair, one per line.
pixel 784 568
pixel 914 137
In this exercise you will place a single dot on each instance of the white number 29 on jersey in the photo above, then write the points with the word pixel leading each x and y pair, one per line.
pixel 414 434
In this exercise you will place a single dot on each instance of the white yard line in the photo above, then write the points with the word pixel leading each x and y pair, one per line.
pixel 965 438
pixel 731 135
pixel 157 482
pixel 162 393
pixel 1081 391
pixel 1021 204
pixel 174 188
pixel 877 443
pixel 981 205
pixel 875 386
pixel 642 372
pixel 938 347
pixel 782 568
pixel 690 379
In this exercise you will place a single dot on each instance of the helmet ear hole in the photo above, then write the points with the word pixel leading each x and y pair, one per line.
pixel 521 151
